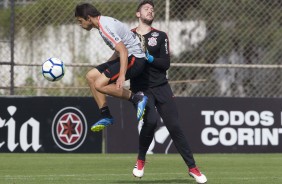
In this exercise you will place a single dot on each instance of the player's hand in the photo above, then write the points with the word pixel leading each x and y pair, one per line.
pixel 149 57
pixel 120 82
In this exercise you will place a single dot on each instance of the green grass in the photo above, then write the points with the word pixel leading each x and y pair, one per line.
pixel 117 168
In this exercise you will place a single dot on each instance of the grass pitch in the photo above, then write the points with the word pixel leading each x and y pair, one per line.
pixel 117 168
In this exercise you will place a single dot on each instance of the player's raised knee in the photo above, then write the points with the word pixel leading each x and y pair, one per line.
pixel 92 75
pixel 99 85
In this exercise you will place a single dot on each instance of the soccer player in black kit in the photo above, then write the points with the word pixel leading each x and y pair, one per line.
pixel 153 82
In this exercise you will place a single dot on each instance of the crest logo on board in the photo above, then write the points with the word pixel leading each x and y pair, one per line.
pixel 69 128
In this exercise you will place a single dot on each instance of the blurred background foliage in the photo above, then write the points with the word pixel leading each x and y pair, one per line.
pixel 237 32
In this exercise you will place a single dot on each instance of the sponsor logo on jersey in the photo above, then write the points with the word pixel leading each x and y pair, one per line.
pixel 166 45
pixel 106 40
pixel 152 41
pixel 112 33
pixel 155 34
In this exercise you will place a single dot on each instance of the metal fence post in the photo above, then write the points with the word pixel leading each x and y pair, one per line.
pixel 12 37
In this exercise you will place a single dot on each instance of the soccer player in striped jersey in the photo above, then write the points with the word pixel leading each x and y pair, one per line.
pixel 126 62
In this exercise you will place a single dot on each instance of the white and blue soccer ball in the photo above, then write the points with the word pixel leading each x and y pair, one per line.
pixel 53 69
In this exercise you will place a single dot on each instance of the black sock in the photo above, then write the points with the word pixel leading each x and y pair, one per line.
pixel 135 98
pixel 105 112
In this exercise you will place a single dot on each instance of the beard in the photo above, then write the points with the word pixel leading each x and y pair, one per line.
pixel 88 27
pixel 147 21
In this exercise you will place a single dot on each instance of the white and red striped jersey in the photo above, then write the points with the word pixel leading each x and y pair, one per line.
pixel 113 31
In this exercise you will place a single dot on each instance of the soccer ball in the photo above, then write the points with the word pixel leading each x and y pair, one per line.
pixel 53 69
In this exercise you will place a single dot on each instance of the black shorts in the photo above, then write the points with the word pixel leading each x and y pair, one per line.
pixel 111 69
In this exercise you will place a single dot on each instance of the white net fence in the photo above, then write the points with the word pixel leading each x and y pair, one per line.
pixel 219 48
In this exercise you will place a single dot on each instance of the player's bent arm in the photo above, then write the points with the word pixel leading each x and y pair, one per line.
pixel 113 57
pixel 163 61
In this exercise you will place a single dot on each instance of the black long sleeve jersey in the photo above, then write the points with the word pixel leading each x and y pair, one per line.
pixel 154 74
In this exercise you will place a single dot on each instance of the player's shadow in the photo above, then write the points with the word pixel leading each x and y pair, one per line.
pixel 164 181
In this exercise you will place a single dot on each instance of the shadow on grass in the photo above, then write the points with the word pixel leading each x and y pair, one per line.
pixel 164 181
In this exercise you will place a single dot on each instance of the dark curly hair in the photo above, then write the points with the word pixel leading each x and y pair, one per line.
pixel 150 2
pixel 85 9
